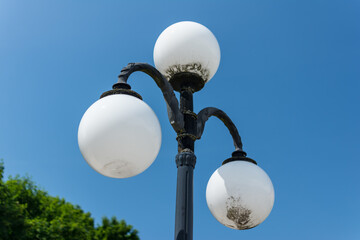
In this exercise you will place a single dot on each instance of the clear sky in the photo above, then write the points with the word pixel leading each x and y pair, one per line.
pixel 289 77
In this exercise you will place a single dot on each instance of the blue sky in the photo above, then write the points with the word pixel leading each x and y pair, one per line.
pixel 289 77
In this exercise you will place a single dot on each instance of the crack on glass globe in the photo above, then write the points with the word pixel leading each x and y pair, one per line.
pixel 196 68
pixel 238 214
pixel 116 167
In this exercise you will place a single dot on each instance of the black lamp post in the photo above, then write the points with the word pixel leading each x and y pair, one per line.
pixel 119 135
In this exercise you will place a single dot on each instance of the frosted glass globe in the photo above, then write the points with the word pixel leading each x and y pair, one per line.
pixel 240 195
pixel 187 47
pixel 119 136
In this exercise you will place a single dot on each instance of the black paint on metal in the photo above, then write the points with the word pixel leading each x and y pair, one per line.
pixel 121 89
pixel 206 113
pixel 187 138
pixel 175 116
pixel 239 155
pixel 185 161
pixel 188 79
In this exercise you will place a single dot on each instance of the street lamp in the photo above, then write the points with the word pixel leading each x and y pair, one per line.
pixel 120 136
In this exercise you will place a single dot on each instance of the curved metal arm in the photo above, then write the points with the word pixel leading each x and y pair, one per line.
pixel 176 118
pixel 204 115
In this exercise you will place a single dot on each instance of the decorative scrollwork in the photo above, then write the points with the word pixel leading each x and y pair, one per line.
pixel 176 118
pixel 206 113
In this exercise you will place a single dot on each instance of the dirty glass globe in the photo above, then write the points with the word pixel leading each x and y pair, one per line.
pixel 119 136
pixel 240 195
pixel 187 47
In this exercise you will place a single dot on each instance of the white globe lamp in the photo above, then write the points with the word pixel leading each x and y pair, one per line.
pixel 119 136
pixel 240 195
pixel 187 47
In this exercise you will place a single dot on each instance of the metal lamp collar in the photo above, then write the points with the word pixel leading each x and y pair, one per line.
pixel 239 155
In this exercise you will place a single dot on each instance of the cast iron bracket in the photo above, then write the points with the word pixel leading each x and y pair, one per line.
pixel 206 113
pixel 176 118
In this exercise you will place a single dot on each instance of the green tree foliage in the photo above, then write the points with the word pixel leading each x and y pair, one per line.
pixel 115 230
pixel 12 219
pixel 29 213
